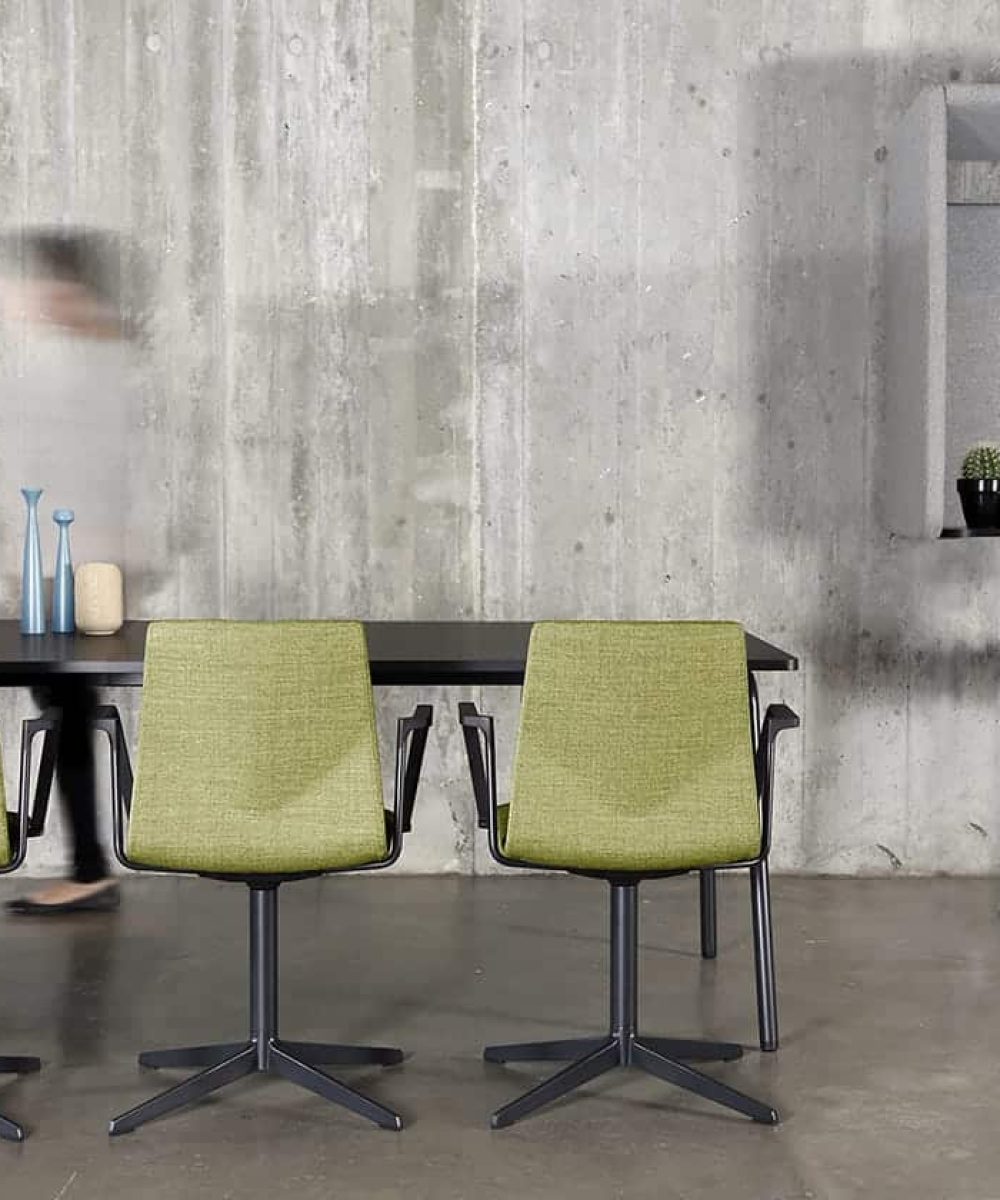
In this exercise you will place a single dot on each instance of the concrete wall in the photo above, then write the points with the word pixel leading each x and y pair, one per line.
pixel 519 308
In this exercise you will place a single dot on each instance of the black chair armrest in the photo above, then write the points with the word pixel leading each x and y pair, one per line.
pixel 411 742
pixel 777 719
pixel 107 719
pixel 49 723
pixel 473 723
pixel 14 841
pixel 22 824
pixel 479 734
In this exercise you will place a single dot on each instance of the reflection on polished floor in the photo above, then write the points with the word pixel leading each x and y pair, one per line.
pixel 886 1078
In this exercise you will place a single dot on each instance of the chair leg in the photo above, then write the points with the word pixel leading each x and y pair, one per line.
pixel 694 1051
pixel 605 1058
pixel 195 1088
pixel 560 1051
pixel 191 1056
pixel 649 1060
pixel 10 1131
pixel 321 1053
pixel 709 913
pixel 301 1073
pixel 763 947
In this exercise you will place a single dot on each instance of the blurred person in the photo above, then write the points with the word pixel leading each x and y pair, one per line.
pixel 64 412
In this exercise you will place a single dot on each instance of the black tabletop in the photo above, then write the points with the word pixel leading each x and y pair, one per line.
pixel 403 653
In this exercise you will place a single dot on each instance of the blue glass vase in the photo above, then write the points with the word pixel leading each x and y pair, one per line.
pixel 32 587
pixel 63 614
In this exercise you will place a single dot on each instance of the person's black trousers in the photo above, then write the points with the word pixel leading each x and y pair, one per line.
pixel 75 772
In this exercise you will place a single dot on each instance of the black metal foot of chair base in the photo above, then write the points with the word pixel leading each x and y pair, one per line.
pixel 591 1057
pixel 295 1061
pixel 315 1053
pixel 10 1131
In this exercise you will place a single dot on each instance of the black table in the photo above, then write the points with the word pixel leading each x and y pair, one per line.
pixel 402 653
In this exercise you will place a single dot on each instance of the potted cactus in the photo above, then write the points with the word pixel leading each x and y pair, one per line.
pixel 979 487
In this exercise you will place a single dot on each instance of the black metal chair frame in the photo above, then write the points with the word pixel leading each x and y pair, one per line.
pixel 623 1046
pixel 19 829
pixel 760 901
pixel 264 1050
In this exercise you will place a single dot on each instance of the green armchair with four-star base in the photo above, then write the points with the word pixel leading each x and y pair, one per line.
pixel 635 760
pixel 258 763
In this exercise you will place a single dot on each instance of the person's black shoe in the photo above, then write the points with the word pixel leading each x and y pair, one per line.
pixel 104 899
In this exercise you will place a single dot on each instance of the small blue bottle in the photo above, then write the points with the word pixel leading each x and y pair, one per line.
pixel 32 590
pixel 63 612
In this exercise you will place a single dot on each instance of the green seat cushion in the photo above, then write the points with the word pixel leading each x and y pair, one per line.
pixel 257 749
pixel 634 750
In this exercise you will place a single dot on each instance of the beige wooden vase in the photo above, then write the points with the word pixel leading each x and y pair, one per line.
pixel 99 597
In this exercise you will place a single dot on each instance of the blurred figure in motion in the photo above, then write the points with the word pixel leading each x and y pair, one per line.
pixel 64 418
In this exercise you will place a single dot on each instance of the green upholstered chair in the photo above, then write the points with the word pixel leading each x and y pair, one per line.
pixel 13 845
pixel 634 760
pixel 258 762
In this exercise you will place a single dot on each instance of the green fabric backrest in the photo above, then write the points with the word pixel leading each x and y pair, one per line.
pixel 257 749
pixel 634 750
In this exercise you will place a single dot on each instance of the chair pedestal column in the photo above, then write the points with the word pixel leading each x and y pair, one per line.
pixel 263 972
pixel 264 1051
pixel 624 966
pixel 708 907
pixel 623 1047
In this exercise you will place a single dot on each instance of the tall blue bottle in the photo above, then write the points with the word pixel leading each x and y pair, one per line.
pixel 32 589
pixel 63 614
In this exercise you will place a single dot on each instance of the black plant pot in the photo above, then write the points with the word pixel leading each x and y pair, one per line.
pixel 980 502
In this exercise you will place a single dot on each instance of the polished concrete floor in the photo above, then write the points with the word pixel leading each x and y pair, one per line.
pixel 887 1079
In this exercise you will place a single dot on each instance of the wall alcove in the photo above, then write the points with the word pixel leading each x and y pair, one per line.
pixel 942 302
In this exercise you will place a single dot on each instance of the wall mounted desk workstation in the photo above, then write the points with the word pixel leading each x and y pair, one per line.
pixel 401 653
